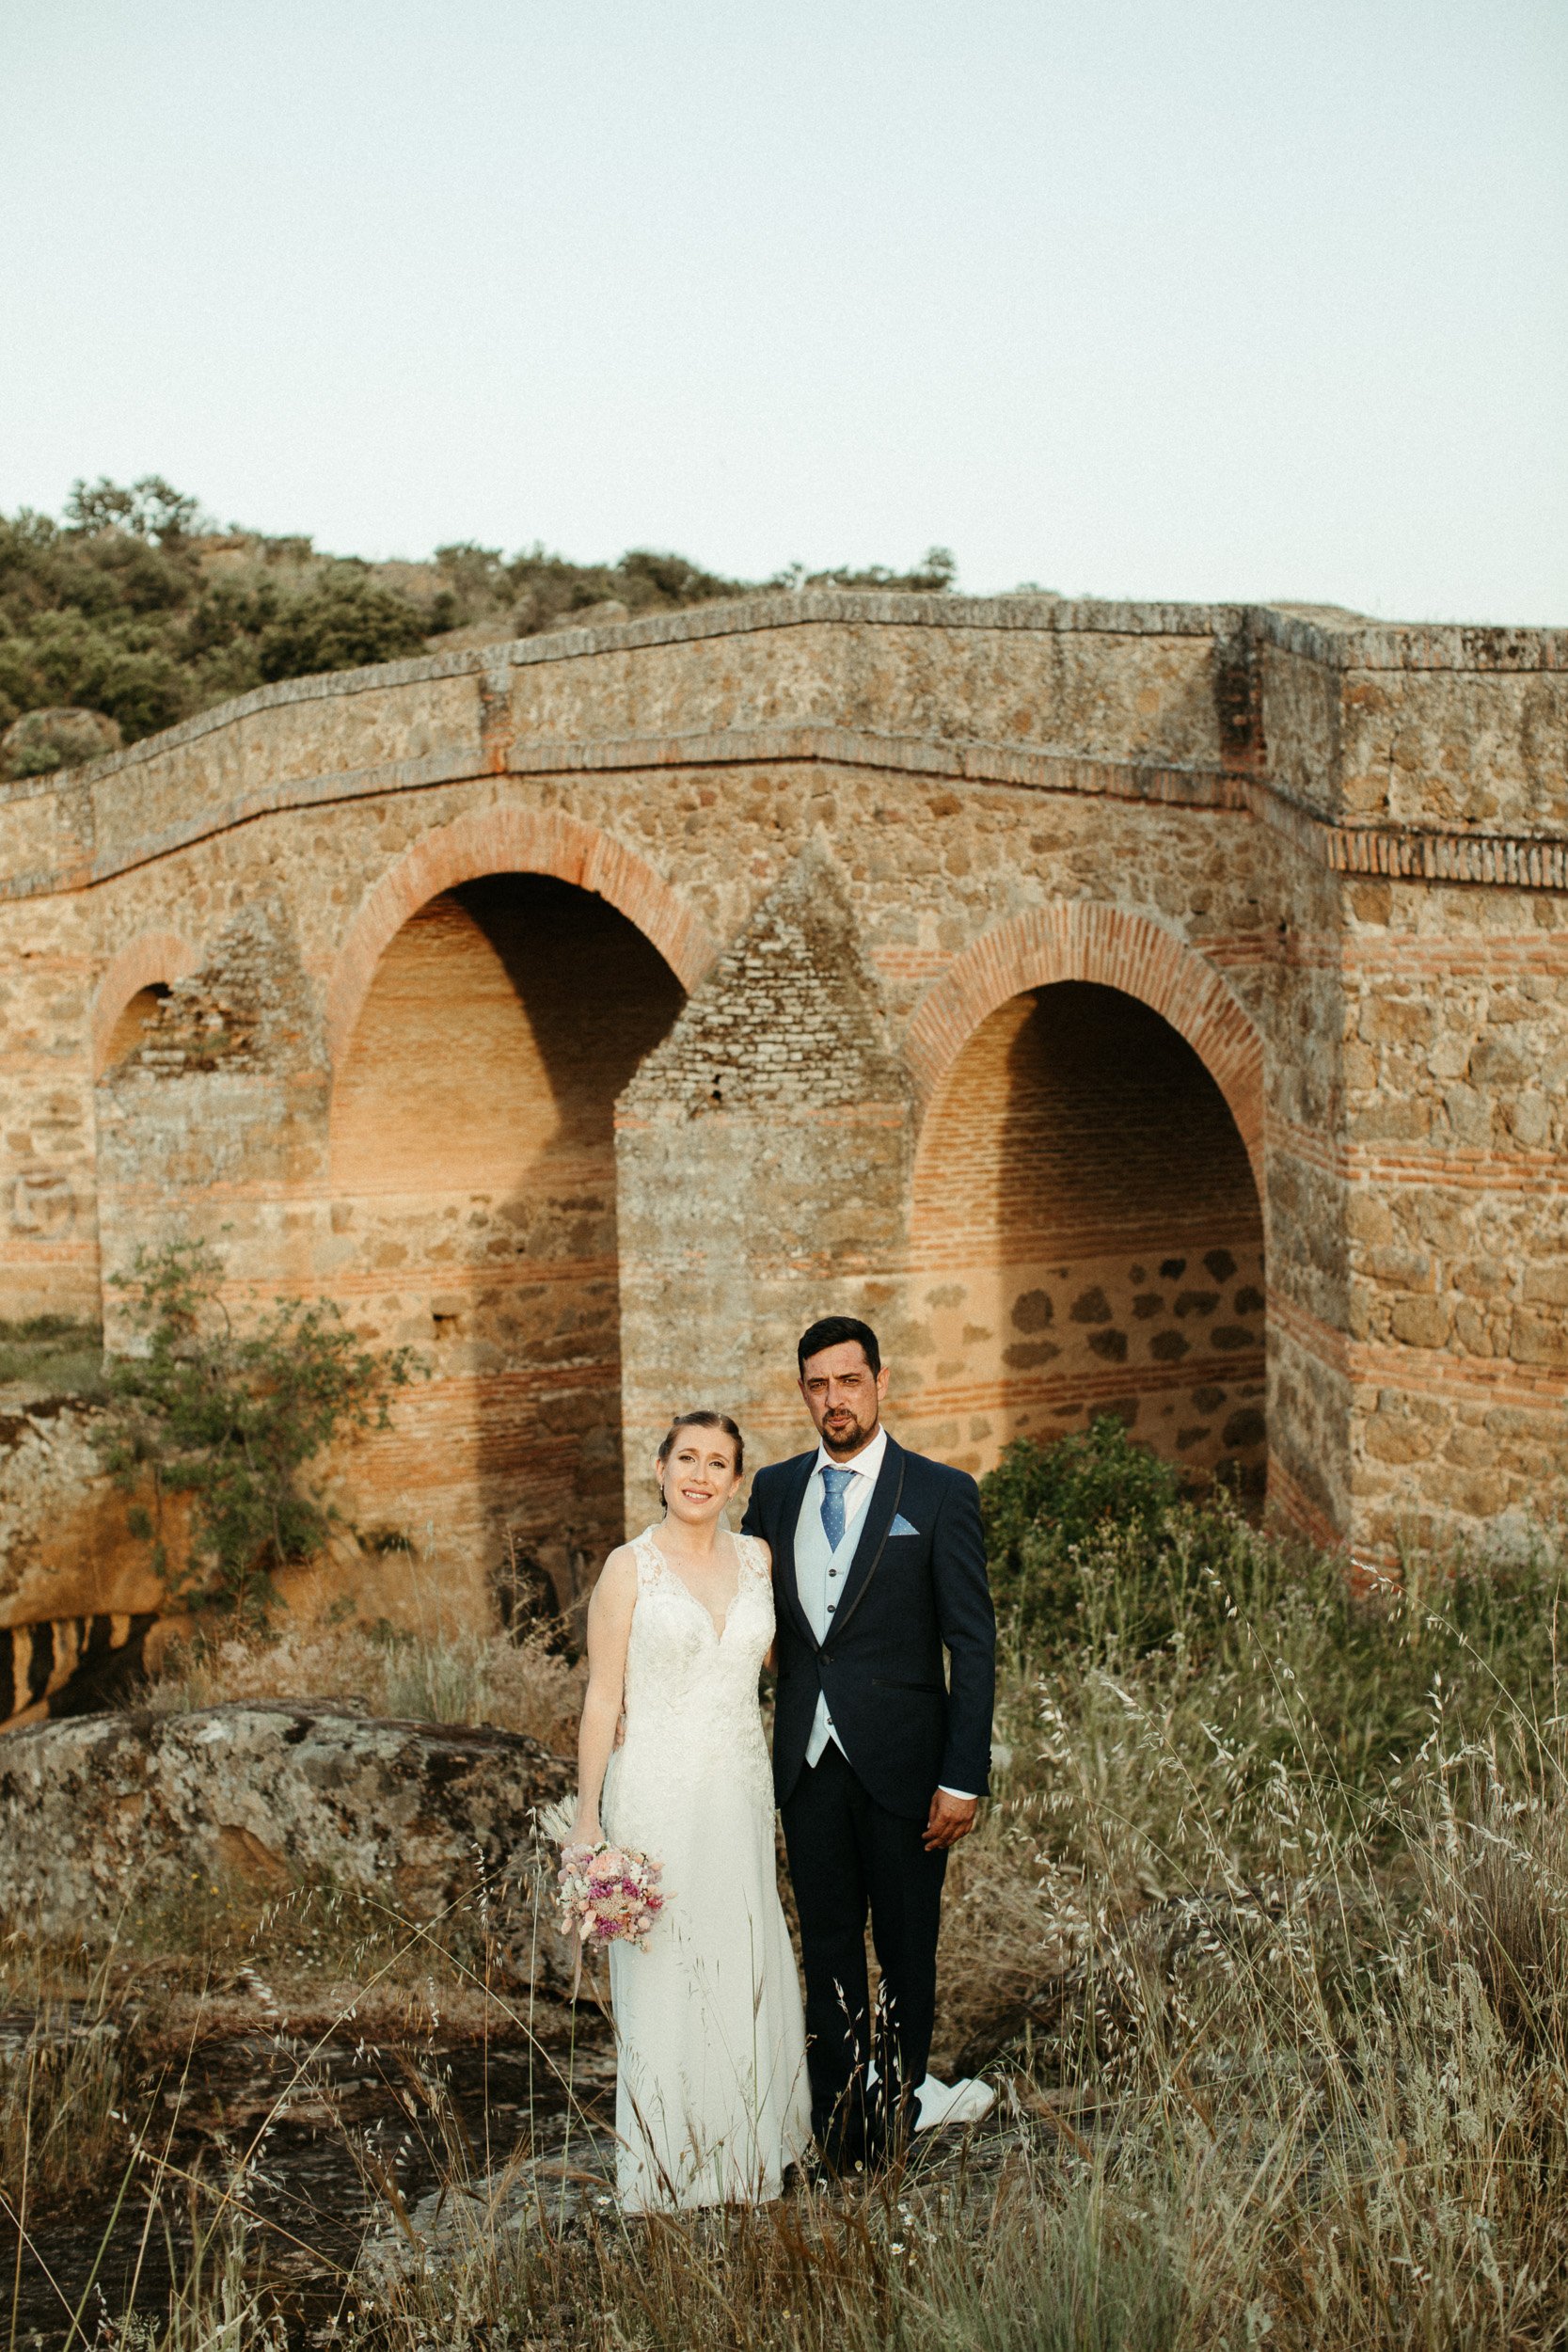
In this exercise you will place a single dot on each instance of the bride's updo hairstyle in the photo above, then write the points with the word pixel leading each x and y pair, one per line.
pixel 704 1421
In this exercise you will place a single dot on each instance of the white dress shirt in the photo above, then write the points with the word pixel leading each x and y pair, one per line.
pixel 867 1465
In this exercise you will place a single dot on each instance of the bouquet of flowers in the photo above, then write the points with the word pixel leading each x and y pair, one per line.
pixel 609 1894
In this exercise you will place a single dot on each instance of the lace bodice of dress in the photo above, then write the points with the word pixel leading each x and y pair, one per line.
pixel 691 1702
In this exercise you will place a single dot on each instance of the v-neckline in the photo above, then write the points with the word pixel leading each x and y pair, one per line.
pixel 669 1569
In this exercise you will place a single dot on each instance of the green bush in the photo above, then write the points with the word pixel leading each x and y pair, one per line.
pixel 1247 1651
pixel 935 575
pixel 233 1420
pixel 1043 1503
pixel 342 625
pixel 55 1355
pixel 151 509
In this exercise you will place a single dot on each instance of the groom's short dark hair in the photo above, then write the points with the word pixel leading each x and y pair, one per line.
pixel 834 1331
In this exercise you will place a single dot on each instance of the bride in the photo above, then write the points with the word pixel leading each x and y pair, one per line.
pixel 711 2100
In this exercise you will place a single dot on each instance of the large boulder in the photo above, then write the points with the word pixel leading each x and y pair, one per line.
pixel 106 1810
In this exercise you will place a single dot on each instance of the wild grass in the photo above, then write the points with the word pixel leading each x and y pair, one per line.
pixel 63 2085
pixel 52 1356
pixel 1008 2265
pixel 445 1678
pixel 1263 1940
pixel 1219 1717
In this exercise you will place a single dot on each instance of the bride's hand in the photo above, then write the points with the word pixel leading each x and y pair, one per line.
pixel 586 1831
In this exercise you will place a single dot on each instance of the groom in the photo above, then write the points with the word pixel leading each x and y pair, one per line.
pixel 878 1764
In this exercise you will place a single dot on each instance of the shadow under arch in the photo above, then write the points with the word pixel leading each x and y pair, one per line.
pixel 1089 939
pixel 510 840
pixel 472 1178
pixel 1086 1230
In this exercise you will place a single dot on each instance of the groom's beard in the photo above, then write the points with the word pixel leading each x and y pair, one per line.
pixel 850 1436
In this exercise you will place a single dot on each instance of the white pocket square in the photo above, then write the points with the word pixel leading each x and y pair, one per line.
pixel 901 1527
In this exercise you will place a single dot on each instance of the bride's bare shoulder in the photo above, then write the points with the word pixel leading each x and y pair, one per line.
pixel 618 1576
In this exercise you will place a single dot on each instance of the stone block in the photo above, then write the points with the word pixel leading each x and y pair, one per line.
pixel 1402 1269
pixel 1420 1322
pixel 1473 1331
pixel 109 1809
pixel 1390 1436
pixel 1530 1119
pixel 1471 1112
pixel 1482 1277
pixel 1395 1021
pixel 1540 1337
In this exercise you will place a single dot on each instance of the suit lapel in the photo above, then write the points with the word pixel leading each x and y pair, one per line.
pixel 784 1548
pixel 874 1522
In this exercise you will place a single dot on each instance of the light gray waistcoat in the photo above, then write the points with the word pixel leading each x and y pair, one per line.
pixel 820 1588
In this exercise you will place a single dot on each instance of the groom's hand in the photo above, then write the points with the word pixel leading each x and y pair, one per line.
pixel 950 1818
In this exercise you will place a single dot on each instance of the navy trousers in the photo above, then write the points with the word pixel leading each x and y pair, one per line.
pixel 849 1857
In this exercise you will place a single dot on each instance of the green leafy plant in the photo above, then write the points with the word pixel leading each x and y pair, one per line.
pixel 1043 1502
pixel 232 1419
pixel 344 624
pixel 1100 1562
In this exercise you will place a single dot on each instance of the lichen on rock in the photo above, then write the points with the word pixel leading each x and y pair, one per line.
pixel 107 1812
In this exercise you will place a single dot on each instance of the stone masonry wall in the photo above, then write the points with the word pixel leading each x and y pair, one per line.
pixel 763 1155
pixel 1330 857
pixel 1455 1159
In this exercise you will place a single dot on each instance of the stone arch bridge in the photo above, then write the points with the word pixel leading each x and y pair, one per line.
pixel 1154 1008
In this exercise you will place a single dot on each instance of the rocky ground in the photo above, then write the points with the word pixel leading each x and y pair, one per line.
pixel 272 1794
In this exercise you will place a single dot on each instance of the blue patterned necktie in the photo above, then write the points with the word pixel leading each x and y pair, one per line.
pixel 833 1484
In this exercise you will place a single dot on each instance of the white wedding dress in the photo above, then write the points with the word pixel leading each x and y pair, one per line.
pixel 711 2100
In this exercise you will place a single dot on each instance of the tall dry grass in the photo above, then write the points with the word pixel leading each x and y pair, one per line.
pixel 63 2078
pixel 443 1677
pixel 1264 1941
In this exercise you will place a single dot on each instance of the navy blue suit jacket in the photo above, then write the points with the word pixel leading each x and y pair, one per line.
pixel 916 1587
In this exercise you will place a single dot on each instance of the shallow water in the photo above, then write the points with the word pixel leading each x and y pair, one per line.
pixel 327 2131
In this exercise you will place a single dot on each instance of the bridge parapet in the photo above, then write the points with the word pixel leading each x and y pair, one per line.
pixel 1456 737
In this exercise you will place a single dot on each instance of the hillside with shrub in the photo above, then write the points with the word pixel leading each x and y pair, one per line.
pixel 134 609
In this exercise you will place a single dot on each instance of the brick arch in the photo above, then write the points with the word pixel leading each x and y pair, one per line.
pixel 502 841
pixel 1086 940
pixel 151 958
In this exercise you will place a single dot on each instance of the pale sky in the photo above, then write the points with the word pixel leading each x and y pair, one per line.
pixel 1162 298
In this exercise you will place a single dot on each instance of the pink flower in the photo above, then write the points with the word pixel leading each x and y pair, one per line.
pixel 608 1897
